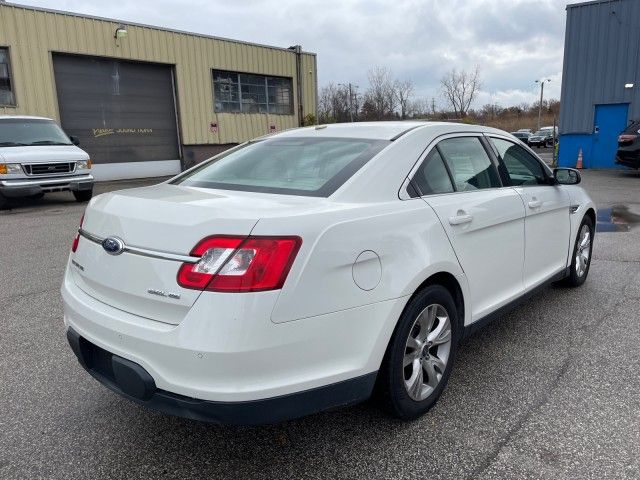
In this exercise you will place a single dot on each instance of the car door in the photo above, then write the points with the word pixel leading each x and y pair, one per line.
pixel 483 221
pixel 547 220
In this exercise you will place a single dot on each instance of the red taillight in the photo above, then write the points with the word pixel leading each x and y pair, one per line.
pixel 239 264
pixel 76 240
pixel 626 138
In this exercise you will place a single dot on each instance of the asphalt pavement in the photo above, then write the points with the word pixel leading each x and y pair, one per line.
pixel 551 390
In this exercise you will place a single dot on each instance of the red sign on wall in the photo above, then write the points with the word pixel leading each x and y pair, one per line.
pixel 213 127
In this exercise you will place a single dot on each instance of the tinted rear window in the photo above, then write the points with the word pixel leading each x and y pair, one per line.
pixel 290 166
pixel 633 128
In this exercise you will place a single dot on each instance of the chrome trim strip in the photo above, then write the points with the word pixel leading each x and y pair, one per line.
pixel 574 208
pixel 46 181
pixel 142 251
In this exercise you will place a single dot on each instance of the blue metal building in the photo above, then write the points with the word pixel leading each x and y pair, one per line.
pixel 600 80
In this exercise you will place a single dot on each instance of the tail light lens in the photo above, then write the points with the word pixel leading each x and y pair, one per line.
pixel 76 240
pixel 624 138
pixel 239 264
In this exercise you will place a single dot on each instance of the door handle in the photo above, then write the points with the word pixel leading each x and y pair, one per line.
pixel 535 203
pixel 460 218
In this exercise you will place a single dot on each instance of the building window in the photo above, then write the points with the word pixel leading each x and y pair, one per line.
pixel 6 89
pixel 249 93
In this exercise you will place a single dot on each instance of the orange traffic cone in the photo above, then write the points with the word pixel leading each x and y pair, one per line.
pixel 579 162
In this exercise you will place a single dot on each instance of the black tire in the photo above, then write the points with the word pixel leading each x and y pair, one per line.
pixel 4 203
pixel 394 394
pixel 576 277
pixel 83 195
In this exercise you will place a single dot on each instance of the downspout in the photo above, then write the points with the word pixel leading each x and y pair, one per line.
pixel 297 49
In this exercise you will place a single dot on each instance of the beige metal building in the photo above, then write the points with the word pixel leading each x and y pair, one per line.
pixel 144 100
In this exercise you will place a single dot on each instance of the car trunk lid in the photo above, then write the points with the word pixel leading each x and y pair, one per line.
pixel 160 225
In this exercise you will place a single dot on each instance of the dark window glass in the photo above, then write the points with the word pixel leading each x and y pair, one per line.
pixel 249 93
pixel 6 88
pixel 522 167
pixel 469 163
pixel 633 128
pixel 18 132
pixel 291 166
pixel 432 176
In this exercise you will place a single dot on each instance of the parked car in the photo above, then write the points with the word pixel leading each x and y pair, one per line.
pixel 628 153
pixel 525 130
pixel 37 157
pixel 296 272
pixel 543 137
pixel 524 136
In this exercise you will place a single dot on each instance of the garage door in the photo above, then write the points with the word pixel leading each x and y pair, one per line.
pixel 122 112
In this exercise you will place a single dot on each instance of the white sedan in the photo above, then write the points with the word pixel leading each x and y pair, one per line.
pixel 297 272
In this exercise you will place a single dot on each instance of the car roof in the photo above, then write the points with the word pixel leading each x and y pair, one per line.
pixel 24 117
pixel 378 130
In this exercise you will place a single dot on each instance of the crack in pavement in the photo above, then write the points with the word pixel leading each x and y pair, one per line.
pixel 573 353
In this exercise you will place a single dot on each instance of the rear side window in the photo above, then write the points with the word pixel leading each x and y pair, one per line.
pixel 432 176
pixel 522 167
pixel 469 164
pixel 290 166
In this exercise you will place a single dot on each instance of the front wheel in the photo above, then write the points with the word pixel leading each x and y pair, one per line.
pixel 421 353
pixel 83 195
pixel 581 260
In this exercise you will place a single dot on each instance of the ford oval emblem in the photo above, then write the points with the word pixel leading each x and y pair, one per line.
pixel 113 245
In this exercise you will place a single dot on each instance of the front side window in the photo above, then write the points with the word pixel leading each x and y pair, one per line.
pixel 468 163
pixel 18 132
pixel 6 88
pixel 248 93
pixel 432 177
pixel 290 166
pixel 522 167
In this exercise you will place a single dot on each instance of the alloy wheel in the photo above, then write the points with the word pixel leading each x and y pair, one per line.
pixel 583 251
pixel 427 351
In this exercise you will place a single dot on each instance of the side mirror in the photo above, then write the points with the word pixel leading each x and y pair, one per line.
pixel 74 140
pixel 567 176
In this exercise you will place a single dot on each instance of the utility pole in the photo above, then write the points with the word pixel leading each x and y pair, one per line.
pixel 351 87
pixel 541 82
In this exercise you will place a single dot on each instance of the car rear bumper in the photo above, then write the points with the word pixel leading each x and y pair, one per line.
pixel 227 350
pixel 628 159
pixel 130 380
pixel 34 186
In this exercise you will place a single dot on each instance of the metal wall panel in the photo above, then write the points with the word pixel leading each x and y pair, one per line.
pixel 601 55
pixel 34 34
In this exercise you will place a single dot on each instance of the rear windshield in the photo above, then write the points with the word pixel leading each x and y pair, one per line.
pixel 633 128
pixel 291 166
pixel 18 132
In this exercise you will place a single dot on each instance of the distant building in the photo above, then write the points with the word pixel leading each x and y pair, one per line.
pixel 600 79
pixel 143 100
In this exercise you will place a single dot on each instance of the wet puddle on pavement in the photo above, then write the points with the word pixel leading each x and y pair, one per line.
pixel 617 218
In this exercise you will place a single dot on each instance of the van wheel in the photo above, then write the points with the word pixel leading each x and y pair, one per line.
pixel 421 353
pixel 83 195
pixel 4 204
pixel 581 259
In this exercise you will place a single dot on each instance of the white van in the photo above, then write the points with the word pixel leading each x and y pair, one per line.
pixel 37 157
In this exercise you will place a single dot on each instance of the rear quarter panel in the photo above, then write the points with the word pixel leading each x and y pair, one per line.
pixel 406 236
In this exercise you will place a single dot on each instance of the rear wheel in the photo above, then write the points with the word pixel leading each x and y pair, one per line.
pixel 581 260
pixel 83 195
pixel 421 353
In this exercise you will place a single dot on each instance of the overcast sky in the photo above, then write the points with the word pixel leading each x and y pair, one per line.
pixel 513 42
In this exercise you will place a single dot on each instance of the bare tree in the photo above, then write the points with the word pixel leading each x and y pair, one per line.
pixel 403 91
pixel 334 104
pixel 380 97
pixel 460 89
